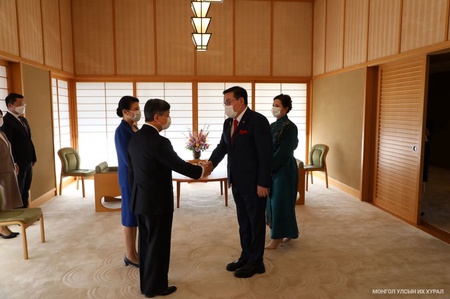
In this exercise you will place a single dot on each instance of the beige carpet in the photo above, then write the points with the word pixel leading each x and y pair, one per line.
pixel 347 249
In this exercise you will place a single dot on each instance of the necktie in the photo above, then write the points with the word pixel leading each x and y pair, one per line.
pixel 235 124
pixel 21 118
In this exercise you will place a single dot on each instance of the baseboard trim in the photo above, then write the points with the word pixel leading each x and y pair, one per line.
pixel 43 198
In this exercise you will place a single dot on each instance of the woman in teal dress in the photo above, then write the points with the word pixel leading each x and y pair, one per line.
pixel 280 210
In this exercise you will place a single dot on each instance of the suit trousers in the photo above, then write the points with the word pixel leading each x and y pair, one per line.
pixel 155 233
pixel 24 180
pixel 251 214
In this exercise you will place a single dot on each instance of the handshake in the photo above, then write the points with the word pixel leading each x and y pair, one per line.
pixel 207 167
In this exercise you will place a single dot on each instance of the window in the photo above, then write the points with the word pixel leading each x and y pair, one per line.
pixel 179 96
pixel 264 94
pixel 97 120
pixel 3 88
pixel 61 119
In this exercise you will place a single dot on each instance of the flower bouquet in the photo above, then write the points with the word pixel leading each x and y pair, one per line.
pixel 197 142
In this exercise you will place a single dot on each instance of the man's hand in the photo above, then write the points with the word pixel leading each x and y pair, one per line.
pixel 207 168
pixel 262 191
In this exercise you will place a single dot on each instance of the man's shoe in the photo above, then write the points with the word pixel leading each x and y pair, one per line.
pixel 165 292
pixel 233 266
pixel 249 270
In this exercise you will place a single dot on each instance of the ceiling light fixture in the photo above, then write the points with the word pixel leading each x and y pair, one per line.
pixel 200 22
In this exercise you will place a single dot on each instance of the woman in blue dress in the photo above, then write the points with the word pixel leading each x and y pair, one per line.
pixel 280 210
pixel 128 110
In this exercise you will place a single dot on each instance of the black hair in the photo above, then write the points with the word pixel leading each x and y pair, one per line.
pixel 155 106
pixel 285 101
pixel 11 98
pixel 238 92
pixel 125 103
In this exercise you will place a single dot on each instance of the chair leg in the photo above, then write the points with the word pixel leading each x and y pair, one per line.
pixel 82 185
pixel 307 173
pixel 326 177
pixel 42 228
pixel 24 241
pixel 60 184
pixel 312 182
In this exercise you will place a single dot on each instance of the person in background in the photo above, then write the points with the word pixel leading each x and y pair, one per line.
pixel 247 141
pixel 128 110
pixel 9 190
pixel 18 131
pixel 151 160
pixel 280 210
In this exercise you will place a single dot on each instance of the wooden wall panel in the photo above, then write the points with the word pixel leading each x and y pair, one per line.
pixel 37 90
pixel 320 13
pixel 384 28
pixel 52 33
pixel 338 107
pixel 66 36
pixel 173 38
pixel 355 34
pixel 399 132
pixel 93 35
pixel 218 60
pixel 292 39
pixel 252 32
pixel 134 37
pixel 334 35
pixel 30 30
pixel 9 37
pixel 423 23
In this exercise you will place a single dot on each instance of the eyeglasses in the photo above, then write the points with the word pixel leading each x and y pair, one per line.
pixel 228 102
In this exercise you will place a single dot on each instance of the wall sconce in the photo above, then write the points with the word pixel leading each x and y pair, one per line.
pixel 200 23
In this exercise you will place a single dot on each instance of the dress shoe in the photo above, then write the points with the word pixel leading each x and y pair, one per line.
pixel 10 236
pixel 233 266
pixel 274 244
pixel 249 270
pixel 128 262
pixel 165 292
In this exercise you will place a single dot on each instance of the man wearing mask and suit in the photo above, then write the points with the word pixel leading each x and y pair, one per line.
pixel 247 140
pixel 151 159
pixel 18 131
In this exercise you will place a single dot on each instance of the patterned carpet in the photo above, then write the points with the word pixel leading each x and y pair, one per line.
pixel 346 249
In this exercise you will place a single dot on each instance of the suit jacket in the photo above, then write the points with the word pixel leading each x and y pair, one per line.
pixel 250 155
pixel 151 159
pixel 22 146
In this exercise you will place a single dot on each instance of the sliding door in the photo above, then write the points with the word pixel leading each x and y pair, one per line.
pixel 398 173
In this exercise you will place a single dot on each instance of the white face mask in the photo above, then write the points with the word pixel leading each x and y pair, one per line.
pixel 20 110
pixel 167 124
pixel 229 111
pixel 276 111
pixel 137 115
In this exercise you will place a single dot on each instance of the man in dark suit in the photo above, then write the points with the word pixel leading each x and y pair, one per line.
pixel 151 159
pixel 18 131
pixel 247 140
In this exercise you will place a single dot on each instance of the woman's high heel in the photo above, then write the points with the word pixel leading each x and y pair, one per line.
pixel 274 244
pixel 128 262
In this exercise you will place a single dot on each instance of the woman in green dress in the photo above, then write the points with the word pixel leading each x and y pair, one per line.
pixel 283 193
